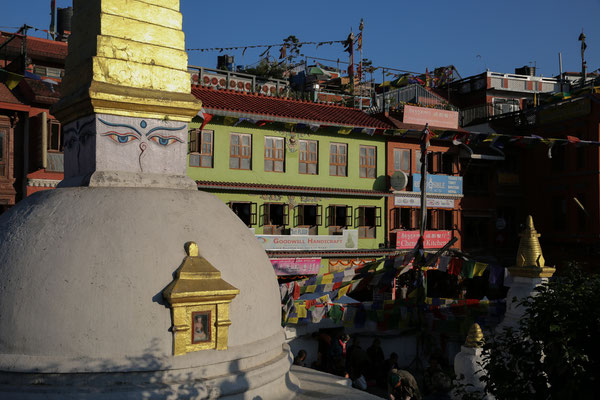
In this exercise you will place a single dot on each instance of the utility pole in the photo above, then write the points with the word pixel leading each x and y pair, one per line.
pixel 424 146
pixel 360 66
pixel 583 63
pixel 53 19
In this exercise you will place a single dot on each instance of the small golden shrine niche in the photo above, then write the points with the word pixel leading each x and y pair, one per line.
pixel 199 301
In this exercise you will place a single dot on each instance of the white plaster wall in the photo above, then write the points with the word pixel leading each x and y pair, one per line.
pixel 83 270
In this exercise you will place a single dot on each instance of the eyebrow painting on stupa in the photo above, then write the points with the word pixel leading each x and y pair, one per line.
pixel 132 144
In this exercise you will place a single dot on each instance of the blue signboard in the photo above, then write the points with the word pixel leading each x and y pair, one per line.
pixel 443 184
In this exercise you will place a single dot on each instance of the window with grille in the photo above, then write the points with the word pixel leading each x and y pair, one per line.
pixel 368 219
pixel 240 151
pixel 54 137
pixel 368 162
pixel 402 160
pixel 338 218
pixel 402 218
pixel 245 211
pixel 308 157
pixel 309 216
pixel 274 154
pixel 274 218
pixel 3 152
pixel 200 148
pixel 434 164
pixel 338 159
pixel 448 161
pixel 445 220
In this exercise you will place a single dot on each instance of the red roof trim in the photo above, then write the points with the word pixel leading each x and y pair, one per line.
pixel 266 107
pixel 38 46
pixel 14 107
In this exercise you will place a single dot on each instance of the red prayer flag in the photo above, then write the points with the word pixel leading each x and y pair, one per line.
pixel 207 118
pixel 573 139
pixel 455 266
pixel 296 292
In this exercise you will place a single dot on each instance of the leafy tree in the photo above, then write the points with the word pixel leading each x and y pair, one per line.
pixel 292 48
pixel 277 68
pixel 556 352
pixel 267 69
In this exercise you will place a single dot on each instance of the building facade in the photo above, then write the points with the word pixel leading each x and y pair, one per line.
pixel 305 177
pixel 32 69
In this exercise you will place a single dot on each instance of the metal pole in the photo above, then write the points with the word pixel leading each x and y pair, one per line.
pixel 424 146
pixel 382 90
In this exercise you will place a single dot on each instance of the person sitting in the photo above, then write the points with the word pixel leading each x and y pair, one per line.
pixel 402 386
pixel 299 359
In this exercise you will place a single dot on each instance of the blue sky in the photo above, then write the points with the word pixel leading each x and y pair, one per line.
pixel 472 35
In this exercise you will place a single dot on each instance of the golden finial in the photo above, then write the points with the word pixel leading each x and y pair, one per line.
pixel 530 251
pixel 530 260
pixel 191 248
pixel 474 337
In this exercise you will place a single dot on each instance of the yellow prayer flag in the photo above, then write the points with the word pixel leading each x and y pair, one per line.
pixel 479 268
pixel 491 137
pixel 328 278
pixel 302 312
pixel 343 291
pixel 229 121
pixel 12 80
pixel 311 288
pixel 293 320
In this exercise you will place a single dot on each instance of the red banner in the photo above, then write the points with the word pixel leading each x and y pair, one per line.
pixel 433 239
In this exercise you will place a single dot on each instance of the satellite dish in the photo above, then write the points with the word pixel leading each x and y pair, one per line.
pixel 399 180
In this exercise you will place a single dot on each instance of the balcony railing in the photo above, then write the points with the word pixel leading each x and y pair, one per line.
pixel 415 94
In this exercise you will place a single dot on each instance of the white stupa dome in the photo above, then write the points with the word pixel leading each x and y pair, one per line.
pixel 83 271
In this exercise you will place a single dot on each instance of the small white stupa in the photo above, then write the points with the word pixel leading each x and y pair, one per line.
pixel 99 298
pixel 528 273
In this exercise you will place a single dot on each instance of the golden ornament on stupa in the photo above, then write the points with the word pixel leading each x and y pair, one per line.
pixel 530 260
pixel 474 337
pixel 127 59
pixel 199 292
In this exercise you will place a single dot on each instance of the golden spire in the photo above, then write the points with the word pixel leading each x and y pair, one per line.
pixel 530 260
pixel 127 59
pixel 475 336
pixel 530 251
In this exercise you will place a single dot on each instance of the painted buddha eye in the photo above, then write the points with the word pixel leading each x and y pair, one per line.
pixel 121 138
pixel 165 140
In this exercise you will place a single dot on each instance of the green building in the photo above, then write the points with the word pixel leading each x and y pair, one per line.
pixel 309 179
